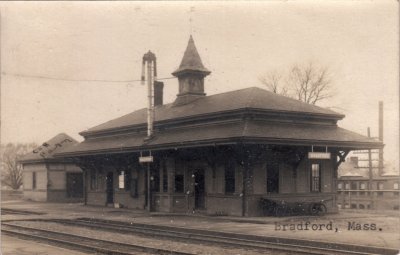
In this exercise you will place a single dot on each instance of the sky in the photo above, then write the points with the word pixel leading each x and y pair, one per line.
pixel 238 41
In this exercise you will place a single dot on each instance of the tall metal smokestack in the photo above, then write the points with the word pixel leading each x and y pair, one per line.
pixel 380 166
pixel 150 59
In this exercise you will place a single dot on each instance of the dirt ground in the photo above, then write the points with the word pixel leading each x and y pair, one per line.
pixel 15 246
pixel 10 195
pixel 368 228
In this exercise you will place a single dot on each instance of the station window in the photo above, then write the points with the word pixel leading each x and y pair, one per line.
pixel 74 185
pixel 395 185
pixel 121 180
pixel 229 177
pixel 339 205
pixel 93 180
pixel 315 178
pixel 179 183
pixel 347 186
pixel 340 185
pixel 353 185
pixel 362 185
pixel 361 206
pixel 353 206
pixel 33 180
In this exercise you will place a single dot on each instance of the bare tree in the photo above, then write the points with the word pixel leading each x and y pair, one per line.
pixel 11 170
pixel 274 82
pixel 308 83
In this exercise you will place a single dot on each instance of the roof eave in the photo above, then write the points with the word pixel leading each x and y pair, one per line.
pixel 45 160
pixel 350 145
pixel 182 71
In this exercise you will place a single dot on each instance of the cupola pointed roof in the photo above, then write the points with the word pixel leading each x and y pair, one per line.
pixel 191 61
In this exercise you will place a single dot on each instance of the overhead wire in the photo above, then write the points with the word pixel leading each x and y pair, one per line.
pixel 75 80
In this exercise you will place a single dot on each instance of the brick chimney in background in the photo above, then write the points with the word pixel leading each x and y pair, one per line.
pixel 158 93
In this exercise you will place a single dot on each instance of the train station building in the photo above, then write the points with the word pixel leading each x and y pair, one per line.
pixel 219 154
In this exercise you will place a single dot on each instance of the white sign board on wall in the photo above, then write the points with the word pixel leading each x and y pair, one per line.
pixel 147 159
pixel 319 155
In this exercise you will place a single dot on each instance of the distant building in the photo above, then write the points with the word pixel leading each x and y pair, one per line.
pixel 46 178
pixel 220 155
pixel 357 191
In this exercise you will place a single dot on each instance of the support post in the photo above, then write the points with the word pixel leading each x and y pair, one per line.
pixel 85 185
pixel 247 158
pixel 148 188
pixel 244 178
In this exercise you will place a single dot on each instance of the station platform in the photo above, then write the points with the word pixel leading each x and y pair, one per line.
pixel 369 228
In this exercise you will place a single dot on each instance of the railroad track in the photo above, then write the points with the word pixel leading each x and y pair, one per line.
pixel 81 243
pixel 261 243
pixel 5 211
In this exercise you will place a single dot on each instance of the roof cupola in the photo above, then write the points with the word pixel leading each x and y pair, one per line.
pixel 190 73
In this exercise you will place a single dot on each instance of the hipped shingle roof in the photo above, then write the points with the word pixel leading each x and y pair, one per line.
pixel 249 98
pixel 279 130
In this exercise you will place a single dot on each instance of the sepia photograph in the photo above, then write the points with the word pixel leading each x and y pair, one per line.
pixel 199 127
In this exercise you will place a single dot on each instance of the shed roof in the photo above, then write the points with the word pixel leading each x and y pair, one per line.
pixel 47 150
pixel 250 98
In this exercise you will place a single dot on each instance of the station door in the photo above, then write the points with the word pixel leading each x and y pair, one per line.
pixel 75 185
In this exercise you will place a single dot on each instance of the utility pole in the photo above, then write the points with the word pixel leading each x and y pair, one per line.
pixel 150 59
pixel 369 162
pixel 380 166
